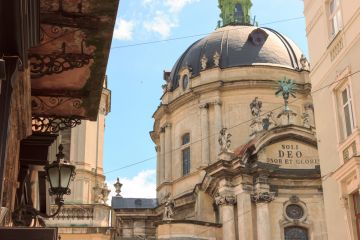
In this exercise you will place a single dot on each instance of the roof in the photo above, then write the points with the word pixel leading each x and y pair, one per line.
pixel 125 203
pixel 237 46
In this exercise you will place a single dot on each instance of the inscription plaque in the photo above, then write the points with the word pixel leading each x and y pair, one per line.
pixel 290 155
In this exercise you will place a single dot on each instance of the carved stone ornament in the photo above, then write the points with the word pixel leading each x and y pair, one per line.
pixel 225 200
pixel 53 124
pixel 224 140
pixel 216 59
pixel 203 61
pixel 263 197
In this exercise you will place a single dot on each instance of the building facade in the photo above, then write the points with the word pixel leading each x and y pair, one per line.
pixel 237 154
pixel 85 213
pixel 334 46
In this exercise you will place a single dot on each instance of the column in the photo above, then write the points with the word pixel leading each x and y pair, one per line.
pixel 226 204
pixel 262 200
pixel 218 125
pixel 244 214
pixel 205 148
pixel 168 153
pixel 161 167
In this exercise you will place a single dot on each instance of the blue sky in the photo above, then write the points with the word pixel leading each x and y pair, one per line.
pixel 135 72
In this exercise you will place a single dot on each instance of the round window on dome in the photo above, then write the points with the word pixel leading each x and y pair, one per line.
pixel 185 81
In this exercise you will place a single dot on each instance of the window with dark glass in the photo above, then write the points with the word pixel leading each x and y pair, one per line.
pixel 185 82
pixel 296 233
pixel 348 117
pixel 185 154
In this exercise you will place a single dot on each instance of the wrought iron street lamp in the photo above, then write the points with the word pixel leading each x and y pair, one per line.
pixel 59 174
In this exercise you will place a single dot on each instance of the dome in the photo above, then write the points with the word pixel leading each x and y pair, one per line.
pixel 237 46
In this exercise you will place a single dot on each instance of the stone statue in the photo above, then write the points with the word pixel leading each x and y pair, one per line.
pixel 255 107
pixel 224 140
pixel 168 208
pixel 305 65
pixel 216 59
pixel 268 122
pixel 204 61
pixel 306 120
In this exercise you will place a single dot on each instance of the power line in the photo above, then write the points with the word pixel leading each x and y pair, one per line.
pixel 198 35
pixel 231 127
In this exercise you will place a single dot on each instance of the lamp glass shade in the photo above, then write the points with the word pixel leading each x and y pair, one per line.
pixel 66 172
pixel 54 177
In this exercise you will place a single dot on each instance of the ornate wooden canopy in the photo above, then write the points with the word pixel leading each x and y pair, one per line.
pixel 69 64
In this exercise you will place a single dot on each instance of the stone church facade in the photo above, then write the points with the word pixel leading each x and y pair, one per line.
pixel 235 137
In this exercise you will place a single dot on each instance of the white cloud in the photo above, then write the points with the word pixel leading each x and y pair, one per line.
pixel 161 24
pixel 143 185
pixel 176 6
pixel 124 29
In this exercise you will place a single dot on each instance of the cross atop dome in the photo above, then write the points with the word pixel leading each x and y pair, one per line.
pixel 234 12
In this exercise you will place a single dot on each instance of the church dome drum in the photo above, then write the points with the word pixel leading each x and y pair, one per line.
pixel 238 46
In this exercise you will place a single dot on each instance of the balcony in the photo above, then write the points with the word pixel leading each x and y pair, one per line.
pixel 82 216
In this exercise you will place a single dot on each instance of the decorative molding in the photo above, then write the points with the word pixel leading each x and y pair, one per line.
pixel 53 124
pixel 43 104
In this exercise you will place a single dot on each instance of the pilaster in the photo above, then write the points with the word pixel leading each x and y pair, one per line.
pixel 168 153
pixel 161 167
pixel 218 124
pixel 205 147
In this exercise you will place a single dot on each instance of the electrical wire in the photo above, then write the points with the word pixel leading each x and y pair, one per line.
pixel 200 34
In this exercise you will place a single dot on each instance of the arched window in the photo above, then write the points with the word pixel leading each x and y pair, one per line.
pixel 296 233
pixel 185 154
